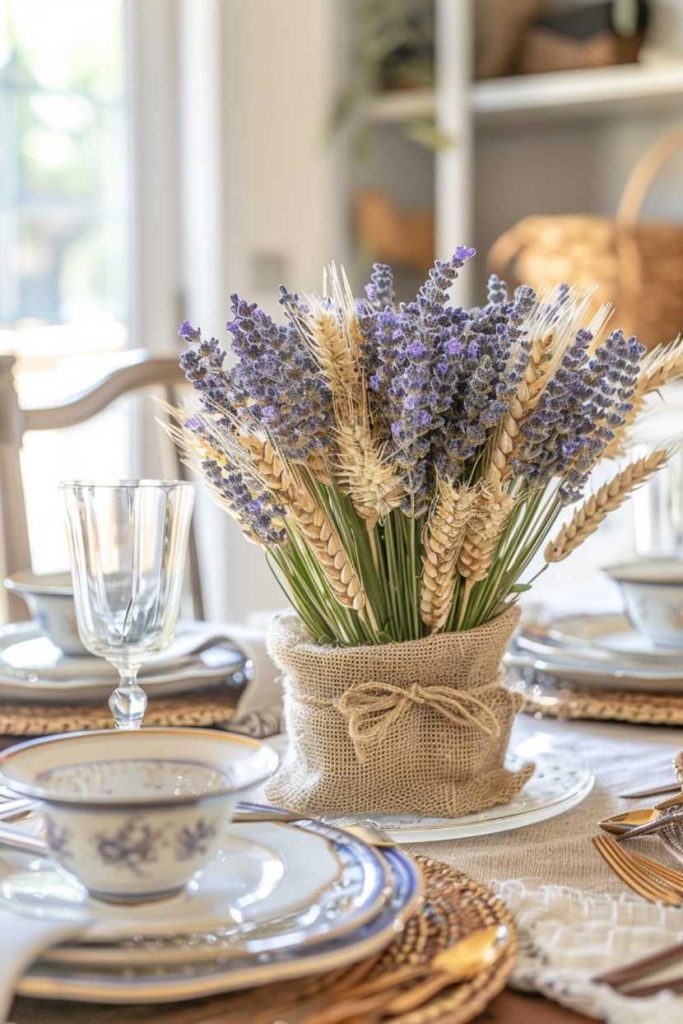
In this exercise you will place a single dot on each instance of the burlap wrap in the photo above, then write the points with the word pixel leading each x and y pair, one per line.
pixel 419 727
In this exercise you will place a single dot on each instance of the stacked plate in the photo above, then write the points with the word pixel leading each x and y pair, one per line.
pixel 281 901
pixel 32 668
pixel 596 652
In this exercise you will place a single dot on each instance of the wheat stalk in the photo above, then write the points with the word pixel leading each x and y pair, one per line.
pixel 312 520
pixel 330 342
pixel 315 525
pixel 539 368
pixel 484 528
pixel 610 496
pixel 443 537
pixel 366 474
pixel 534 379
pixel 267 464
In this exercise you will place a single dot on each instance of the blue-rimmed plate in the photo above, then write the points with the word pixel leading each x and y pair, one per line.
pixel 193 980
pixel 273 887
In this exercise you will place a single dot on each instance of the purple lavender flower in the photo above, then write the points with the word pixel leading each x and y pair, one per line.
pixel 277 379
pixel 380 290
pixel 583 404
pixel 254 507
pixel 274 381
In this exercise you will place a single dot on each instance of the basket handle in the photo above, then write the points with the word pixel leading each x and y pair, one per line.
pixel 644 173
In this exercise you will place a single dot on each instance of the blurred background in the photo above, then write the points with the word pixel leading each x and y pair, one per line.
pixel 157 155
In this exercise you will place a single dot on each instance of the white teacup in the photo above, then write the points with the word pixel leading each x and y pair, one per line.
pixel 652 589
pixel 50 599
pixel 134 815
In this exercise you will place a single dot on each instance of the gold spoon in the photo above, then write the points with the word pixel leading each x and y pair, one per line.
pixel 459 962
pixel 620 823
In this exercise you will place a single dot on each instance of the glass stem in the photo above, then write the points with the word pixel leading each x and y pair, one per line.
pixel 128 702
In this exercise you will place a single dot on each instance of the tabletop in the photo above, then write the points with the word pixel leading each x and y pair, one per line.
pixel 621 756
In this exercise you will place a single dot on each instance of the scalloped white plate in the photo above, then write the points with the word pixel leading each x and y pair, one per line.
pixel 559 783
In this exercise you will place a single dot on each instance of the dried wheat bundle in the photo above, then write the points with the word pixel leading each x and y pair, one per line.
pixel 402 464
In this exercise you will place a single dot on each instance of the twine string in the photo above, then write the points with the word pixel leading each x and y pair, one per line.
pixel 373 708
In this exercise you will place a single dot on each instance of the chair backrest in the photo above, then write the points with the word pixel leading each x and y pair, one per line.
pixel 140 370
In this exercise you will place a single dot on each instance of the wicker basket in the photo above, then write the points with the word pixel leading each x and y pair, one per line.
pixel 637 267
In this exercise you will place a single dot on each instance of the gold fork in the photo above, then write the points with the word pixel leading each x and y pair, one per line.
pixel 632 873
pixel 669 876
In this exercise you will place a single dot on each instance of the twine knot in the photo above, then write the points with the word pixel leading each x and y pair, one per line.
pixel 373 708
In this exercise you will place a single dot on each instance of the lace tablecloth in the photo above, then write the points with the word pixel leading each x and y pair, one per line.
pixel 576 917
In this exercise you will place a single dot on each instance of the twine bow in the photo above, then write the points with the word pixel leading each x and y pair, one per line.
pixel 373 708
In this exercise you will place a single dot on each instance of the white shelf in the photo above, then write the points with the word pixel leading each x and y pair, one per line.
pixel 630 88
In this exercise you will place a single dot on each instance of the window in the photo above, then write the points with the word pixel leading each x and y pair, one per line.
pixel 65 198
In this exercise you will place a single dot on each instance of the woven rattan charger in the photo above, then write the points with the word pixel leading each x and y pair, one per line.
pixel 453 906
pixel 203 708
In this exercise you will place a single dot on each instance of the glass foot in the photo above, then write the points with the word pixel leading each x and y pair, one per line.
pixel 128 704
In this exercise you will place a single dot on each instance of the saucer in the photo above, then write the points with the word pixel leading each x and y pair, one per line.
pixel 33 669
pixel 273 885
pixel 160 984
pixel 613 634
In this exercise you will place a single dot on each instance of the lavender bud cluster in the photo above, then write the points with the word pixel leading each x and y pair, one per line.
pixel 583 405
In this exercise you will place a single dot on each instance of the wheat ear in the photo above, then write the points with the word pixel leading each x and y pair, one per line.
pixel 484 528
pixel 311 519
pixel 539 368
pixel 443 537
pixel 330 342
pixel 366 474
pixel 268 465
pixel 330 553
pixel 610 496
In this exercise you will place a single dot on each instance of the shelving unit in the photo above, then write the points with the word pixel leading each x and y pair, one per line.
pixel 568 139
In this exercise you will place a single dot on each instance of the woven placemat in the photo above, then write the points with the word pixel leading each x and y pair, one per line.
pixel 453 906
pixel 548 698
pixel 203 708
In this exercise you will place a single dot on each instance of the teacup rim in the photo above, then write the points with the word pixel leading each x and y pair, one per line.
pixel 25 581
pixel 48 796
pixel 626 571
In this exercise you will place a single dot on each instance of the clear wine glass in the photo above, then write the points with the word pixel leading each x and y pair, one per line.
pixel 128 543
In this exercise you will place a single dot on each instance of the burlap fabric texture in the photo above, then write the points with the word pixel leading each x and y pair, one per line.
pixel 420 727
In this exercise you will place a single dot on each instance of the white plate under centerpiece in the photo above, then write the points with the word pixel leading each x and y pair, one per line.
pixel 559 783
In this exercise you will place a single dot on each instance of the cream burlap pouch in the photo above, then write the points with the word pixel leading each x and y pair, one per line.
pixel 419 727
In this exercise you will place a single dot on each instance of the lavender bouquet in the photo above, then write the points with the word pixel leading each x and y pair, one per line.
pixel 402 464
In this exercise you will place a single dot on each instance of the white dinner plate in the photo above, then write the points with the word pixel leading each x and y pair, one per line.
pixel 195 980
pixel 267 871
pixel 23 676
pixel 559 783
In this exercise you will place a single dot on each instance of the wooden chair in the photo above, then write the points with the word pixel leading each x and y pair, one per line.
pixel 140 370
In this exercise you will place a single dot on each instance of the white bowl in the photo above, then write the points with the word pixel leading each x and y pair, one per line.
pixel 652 589
pixel 134 815
pixel 50 599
